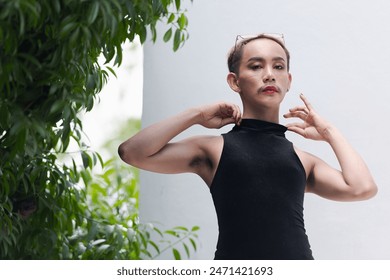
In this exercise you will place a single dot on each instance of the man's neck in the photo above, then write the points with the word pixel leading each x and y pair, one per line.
pixel 264 115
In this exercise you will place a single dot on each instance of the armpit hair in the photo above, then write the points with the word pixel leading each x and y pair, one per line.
pixel 198 162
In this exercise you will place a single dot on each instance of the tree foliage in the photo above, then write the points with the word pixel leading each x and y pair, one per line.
pixel 110 227
pixel 49 73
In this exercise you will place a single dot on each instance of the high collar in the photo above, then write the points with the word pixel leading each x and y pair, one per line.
pixel 261 126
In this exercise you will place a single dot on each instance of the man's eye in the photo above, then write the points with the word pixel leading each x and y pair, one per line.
pixel 255 66
pixel 279 67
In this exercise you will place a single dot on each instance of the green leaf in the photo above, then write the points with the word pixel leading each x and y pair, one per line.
pixel 176 254
pixel 22 23
pixel 5 12
pixel 186 250
pixel 103 247
pixel 86 159
pixel 195 228
pixel 5 187
pixel 154 245
pixel 158 231
pixel 74 38
pixel 97 242
pixel 177 40
pixel 177 3
pixel 31 59
pixel 182 21
pixel 143 239
pixel 41 129
pixel 142 33
pixel 93 12
pixel 181 228
pixel 147 253
pixel 57 5
pixel 154 32
pixel 167 35
pixel 193 243
pixel 67 28
pixel 171 232
pixel 87 34
pixel 100 160
pixel 171 18
pixel 119 54
pixel 65 252
pixel 21 140
pixel 112 71
pixel 4 117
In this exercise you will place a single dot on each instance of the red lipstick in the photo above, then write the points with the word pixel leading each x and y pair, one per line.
pixel 269 89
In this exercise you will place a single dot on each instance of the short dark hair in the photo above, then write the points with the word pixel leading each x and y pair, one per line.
pixel 235 53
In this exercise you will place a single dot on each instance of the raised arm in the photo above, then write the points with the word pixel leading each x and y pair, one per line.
pixel 151 149
pixel 353 181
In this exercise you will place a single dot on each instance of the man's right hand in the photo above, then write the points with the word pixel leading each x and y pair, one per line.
pixel 219 114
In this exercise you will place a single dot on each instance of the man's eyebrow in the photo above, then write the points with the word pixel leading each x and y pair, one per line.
pixel 262 59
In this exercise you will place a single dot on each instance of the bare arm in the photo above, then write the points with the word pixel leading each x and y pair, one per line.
pixel 354 180
pixel 151 149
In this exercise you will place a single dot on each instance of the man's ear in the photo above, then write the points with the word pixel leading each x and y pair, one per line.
pixel 290 79
pixel 232 80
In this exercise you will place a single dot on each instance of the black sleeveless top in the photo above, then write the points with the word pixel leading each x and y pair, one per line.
pixel 258 193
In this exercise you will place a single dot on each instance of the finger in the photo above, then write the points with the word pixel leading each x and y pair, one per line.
pixel 298 114
pixel 238 115
pixel 297 130
pixel 288 115
pixel 299 108
pixel 235 112
pixel 226 121
pixel 300 125
pixel 306 101
pixel 231 114
pixel 227 110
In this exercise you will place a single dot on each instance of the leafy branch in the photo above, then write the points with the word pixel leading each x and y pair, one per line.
pixel 49 73
pixel 181 234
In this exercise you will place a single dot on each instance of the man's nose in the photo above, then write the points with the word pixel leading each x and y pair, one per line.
pixel 268 75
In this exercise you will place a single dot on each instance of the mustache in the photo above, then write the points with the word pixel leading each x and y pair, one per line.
pixel 265 87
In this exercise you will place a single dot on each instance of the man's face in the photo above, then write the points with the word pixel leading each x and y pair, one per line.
pixel 263 75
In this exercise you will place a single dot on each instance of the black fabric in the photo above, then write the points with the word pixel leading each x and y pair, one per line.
pixel 258 193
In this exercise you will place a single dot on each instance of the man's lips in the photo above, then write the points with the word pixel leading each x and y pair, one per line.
pixel 269 89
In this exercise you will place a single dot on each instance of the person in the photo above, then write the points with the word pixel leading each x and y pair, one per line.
pixel 257 178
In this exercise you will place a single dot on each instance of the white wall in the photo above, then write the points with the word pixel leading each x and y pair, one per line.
pixel 340 60
pixel 120 100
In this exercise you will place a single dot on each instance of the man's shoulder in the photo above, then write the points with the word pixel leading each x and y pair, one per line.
pixel 207 140
pixel 308 160
pixel 305 154
pixel 204 138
